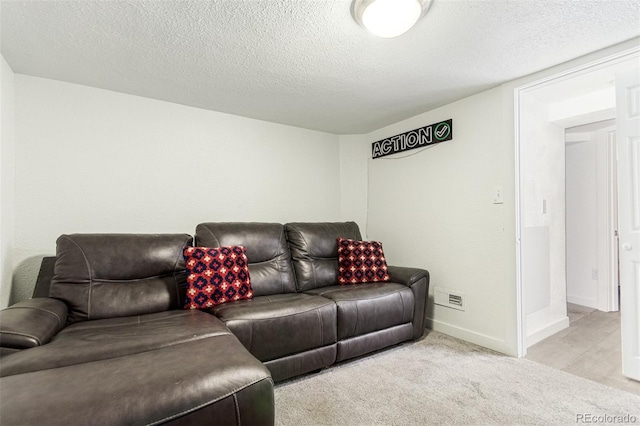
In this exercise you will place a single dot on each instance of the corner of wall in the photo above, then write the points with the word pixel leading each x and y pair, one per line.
pixel 7 173
pixel 354 180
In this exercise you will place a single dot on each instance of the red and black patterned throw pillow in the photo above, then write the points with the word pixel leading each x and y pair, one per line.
pixel 216 275
pixel 361 262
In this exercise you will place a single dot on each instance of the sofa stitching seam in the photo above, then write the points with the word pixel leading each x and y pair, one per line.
pixel 138 321
pixel 355 325
pixel 175 265
pixel 403 309
pixel 262 261
pixel 329 303
pixel 213 235
pixel 235 403
pixel 107 280
pixel 360 298
pixel 278 263
pixel 84 255
pixel 321 327
pixel 39 309
pixel 313 267
pixel 22 334
pixel 173 416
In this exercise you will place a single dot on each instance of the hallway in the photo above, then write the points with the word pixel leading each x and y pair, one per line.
pixel 590 347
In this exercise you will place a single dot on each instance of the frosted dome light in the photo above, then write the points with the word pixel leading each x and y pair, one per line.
pixel 388 18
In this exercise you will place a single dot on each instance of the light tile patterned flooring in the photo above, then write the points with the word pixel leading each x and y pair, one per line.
pixel 590 347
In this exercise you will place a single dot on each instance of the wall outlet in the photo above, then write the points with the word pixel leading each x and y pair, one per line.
pixel 594 274
pixel 448 298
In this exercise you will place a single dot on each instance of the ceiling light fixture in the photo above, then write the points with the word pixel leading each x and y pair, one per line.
pixel 388 18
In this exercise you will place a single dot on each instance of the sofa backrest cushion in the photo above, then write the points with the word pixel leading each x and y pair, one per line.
pixel 270 266
pixel 116 275
pixel 314 250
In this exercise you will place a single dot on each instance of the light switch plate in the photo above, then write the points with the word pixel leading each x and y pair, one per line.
pixel 497 195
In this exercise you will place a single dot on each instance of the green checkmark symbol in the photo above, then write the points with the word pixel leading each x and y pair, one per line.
pixel 442 131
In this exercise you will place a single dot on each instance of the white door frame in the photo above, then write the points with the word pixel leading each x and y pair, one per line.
pixel 608 295
pixel 518 92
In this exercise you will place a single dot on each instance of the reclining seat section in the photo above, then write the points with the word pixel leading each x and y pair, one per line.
pixel 371 316
pixel 291 333
pixel 126 353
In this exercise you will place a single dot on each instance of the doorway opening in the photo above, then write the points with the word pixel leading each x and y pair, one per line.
pixel 591 346
pixel 554 268
pixel 591 211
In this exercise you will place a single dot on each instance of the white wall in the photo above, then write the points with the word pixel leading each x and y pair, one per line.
pixel 90 160
pixel 354 179
pixel 7 146
pixel 582 222
pixel 542 162
pixel 589 107
pixel 591 216
pixel 434 209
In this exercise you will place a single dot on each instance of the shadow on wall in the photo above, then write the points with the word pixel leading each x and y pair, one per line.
pixel 430 306
pixel 24 279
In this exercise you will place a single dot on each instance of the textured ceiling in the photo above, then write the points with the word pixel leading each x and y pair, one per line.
pixel 303 62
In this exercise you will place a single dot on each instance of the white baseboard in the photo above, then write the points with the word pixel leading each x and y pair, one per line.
pixel 582 301
pixel 549 330
pixel 468 335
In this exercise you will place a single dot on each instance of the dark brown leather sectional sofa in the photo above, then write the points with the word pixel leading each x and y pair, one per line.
pixel 112 344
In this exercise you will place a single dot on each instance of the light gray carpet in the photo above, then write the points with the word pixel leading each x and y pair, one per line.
pixel 444 381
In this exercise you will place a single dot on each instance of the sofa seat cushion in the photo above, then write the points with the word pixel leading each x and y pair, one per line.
pixel 363 308
pixel 90 341
pixel 274 326
pixel 208 381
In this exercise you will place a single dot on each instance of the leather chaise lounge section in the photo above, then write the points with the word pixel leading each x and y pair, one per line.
pixel 112 344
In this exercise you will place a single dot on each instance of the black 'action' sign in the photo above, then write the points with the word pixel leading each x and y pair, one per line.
pixel 427 135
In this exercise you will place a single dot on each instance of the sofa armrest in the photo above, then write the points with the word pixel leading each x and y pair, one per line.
pixel 31 322
pixel 407 276
pixel 418 281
